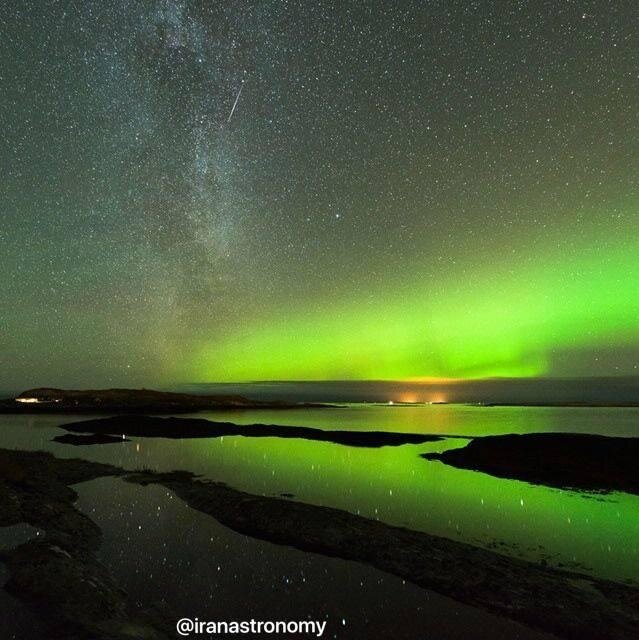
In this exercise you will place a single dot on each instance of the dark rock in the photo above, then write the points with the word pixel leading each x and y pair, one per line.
pixel 96 438
pixel 57 574
pixel 148 426
pixel 566 460
pixel 570 605
pixel 59 577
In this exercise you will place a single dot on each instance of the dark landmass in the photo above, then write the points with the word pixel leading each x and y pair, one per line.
pixel 58 576
pixel 610 404
pixel 96 438
pixel 129 401
pixel 148 426
pixel 566 460
pixel 598 391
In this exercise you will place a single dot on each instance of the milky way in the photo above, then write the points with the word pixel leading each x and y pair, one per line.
pixel 403 190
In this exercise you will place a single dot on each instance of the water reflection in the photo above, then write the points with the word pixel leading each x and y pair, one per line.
pixel 593 533
pixel 186 564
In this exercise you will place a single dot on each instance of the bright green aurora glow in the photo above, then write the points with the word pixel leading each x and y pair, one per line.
pixel 492 322
pixel 204 191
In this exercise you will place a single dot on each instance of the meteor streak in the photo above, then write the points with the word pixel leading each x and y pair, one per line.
pixel 239 93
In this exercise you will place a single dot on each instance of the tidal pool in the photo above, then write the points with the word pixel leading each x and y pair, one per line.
pixel 592 533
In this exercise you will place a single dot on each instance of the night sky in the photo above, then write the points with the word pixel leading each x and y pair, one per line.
pixel 400 190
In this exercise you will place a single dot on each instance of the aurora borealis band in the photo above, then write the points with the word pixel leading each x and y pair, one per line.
pixel 200 191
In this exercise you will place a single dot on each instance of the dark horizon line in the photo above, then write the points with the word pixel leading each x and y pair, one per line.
pixel 425 380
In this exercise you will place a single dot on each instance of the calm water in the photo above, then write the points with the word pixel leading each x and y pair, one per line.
pixel 182 562
pixel 594 534
pixel 597 534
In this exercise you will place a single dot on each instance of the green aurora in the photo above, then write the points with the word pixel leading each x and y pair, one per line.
pixel 488 321
pixel 401 191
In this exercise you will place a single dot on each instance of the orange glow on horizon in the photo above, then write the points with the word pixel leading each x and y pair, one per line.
pixel 430 380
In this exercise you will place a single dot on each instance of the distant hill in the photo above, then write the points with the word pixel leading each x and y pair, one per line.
pixel 51 400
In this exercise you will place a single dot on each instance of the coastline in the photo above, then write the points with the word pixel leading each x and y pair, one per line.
pixel 45 572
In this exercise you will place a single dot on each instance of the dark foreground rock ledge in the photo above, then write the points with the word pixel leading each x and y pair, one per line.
pixel 566 604
pixel 565 460
pixel 58 576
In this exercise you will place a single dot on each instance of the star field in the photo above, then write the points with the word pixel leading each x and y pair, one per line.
pixel 401 190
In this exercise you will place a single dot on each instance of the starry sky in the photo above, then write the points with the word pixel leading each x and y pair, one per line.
pixel 199 191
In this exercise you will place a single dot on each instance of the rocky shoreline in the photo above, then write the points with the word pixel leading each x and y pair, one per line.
pixel 58 576
pixel 565 460
pixel 116 427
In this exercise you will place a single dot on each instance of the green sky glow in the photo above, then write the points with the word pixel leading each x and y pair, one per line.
pixel 495 320
pixel 401 192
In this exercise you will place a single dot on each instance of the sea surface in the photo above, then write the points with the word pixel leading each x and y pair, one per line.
pixel 153 539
